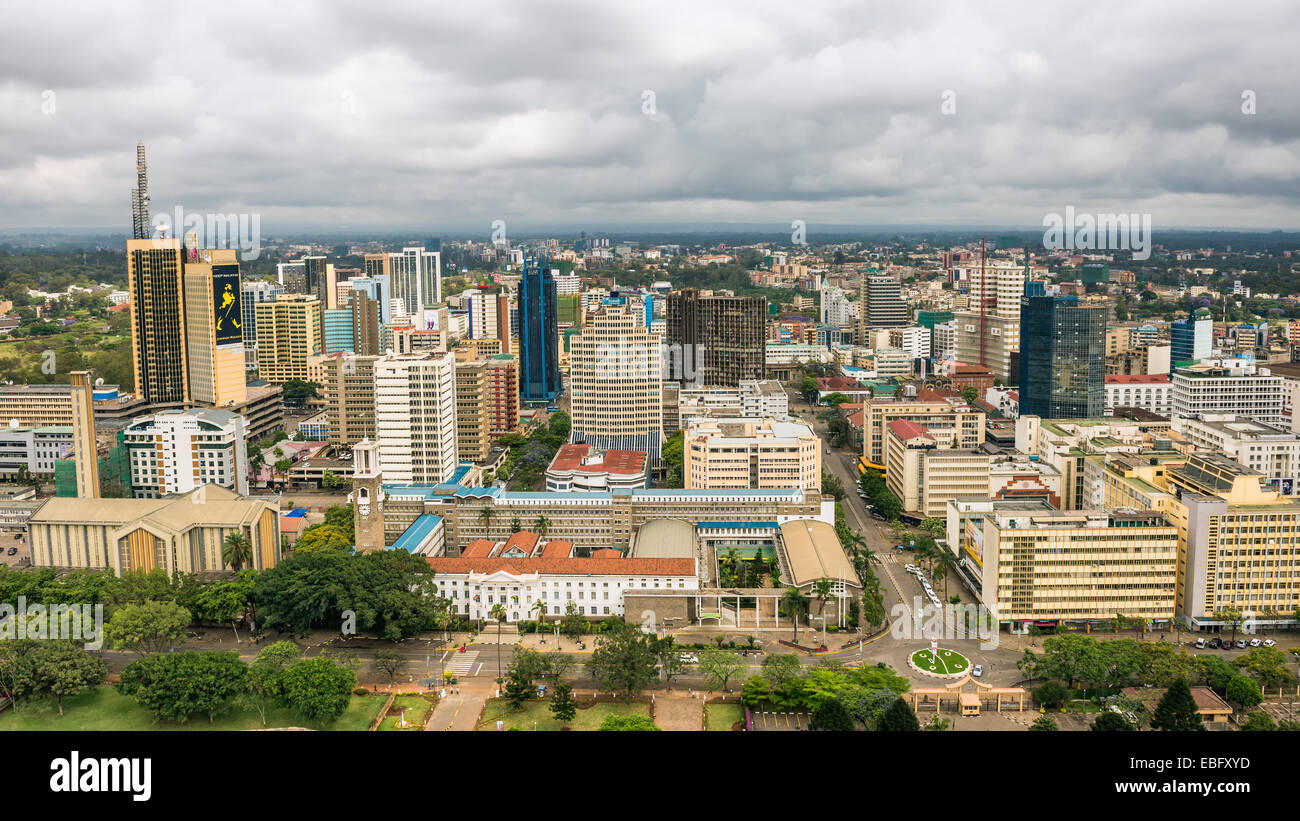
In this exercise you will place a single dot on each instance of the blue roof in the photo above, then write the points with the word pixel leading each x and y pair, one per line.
pixel 420 529
pixel 462 468
pixel 297 512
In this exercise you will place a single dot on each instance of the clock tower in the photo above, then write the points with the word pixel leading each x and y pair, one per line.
pixel 367 498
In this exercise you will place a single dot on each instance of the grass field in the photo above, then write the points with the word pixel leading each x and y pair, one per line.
pixel 720 717
pixel 946 663
pixel 540 711
pixel 416 706
pixel 103 708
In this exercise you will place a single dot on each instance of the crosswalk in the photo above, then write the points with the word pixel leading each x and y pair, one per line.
pixel 462 663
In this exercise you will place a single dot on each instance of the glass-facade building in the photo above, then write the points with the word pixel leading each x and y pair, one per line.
pixel 539 348
pixel 1062 358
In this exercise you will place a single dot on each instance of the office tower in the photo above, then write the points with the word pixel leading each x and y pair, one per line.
pixel 539 347
pixel 366 324
pixel 1062 358
pixel 337 331
pixel 315 280
pixel 140 227
pixel 1229 386
pixel 485 316
pixel 349 393
pixel 251 294
pixel 376 265
pixel 616 383
pixel 417 278
pixel 155 271
pixel 84 450
pixel 288 332
pixel 988 331
pixel 473 430
pixel 415 416
pixel 214 335
pixel 715 340
pixel 380 289
pixel 880 303
pixel 503 394
pixel 176 451
pixel 434 245
pixel 1190 339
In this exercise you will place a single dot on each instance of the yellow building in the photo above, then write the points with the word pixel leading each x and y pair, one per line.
pixel 936 412
pixel 214 338
pixel 288 332
pixel 1075 565
pixel 750 453
pixel 925 471
pixel 180 534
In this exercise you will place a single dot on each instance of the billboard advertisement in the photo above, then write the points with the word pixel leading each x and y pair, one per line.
pixel 226 317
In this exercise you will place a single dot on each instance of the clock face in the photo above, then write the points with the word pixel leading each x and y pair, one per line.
pixel 365 510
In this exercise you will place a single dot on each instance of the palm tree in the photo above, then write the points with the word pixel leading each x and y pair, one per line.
pixel 821 590
pixel 485 516
pixel 540 607
pixel 237 550
pixel 795 603
pixel 498 612
pixel 945 562
pixel 540 526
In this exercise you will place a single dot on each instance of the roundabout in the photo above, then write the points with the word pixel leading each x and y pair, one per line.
pixel 940 663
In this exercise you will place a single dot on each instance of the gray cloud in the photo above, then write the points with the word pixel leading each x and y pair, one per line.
pixel 765 111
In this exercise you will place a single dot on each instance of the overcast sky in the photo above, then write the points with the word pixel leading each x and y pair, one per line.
pixel 445 116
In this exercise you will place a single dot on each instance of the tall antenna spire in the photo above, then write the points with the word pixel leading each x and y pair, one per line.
pixel 140 222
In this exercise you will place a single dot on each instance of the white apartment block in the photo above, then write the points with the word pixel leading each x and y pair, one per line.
pixel 1150 393
pixel 416 276
pixel 415 416
pixel 760 398
pixel 1228 386
pixel 36 449
pixel 1270 451
pixel 914 340
pixel 945 340
pixel 176 451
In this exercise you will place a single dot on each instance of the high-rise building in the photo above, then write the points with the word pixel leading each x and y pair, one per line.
pixel 616 383
pixel 140 227
pixel 292 276
pixel 214 334
pixel 176 451
pixel 155 277
pixel 473 430
pixel 251 294
pixel 489 318
pixel 416 276
pixel 349 393
pixel 83 436
pixel 288 332
pixel 1190 339
pixel 988 331
pixel 715 339
pixel 316 280
pixel 366 324
pixel 539 345
pixel 880 302
pixel 1062 358
pixel 337 331
pixel 1231 386
pixel 415 416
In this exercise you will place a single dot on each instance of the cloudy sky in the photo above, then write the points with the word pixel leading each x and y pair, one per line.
pixel 446 116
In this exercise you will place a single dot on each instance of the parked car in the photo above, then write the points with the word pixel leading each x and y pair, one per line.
pixel 1270 643
pixel 12 551
pixel 1241 644
pixel 911 568
pixel 1200 644
pixel 977 670
pixel 1216 643
pixel 1255 642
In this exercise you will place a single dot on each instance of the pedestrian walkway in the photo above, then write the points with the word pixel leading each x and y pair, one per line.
pixel 458 710
pixel 462 664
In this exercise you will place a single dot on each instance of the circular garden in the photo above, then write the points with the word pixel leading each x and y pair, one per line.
pixel 943 663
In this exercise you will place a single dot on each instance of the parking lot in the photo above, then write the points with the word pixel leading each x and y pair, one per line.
pixel 14 550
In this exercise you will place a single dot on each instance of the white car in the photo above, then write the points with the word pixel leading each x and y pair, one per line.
pixel 977 670
pixel 911 568
pixel 1255 642
pixel 1270 643
pixel 690 658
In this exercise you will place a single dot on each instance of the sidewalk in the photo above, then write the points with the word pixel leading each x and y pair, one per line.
pixel 460 711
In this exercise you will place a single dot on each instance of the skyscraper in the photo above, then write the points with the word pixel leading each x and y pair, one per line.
pixel 880 303
pixel 1062 358
pixel 539 346
pixel 1190 339
pixel 288 332
pixel 416 276
pixel 616 383
pixel 214 336
pixel 715 340
pixel 140 227
pixel 154 274
pixel 415 416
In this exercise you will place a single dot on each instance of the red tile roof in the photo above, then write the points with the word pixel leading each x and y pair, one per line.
pixel 569 567
pixel 523 540
pixel 557 549
pixel 623 462
pixel 907 429
pixel 479 548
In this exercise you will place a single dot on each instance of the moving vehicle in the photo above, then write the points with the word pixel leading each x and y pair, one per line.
pixel 690 658
pixel 977 670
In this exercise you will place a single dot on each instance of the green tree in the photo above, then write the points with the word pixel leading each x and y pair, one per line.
pixel 264 675
pixel 1044 724
pixel 1268 665
pixel 563 706
pixel 1176 711
pixel 794 604
pixel 518 690
pixel 625 659
pixel 332 481
pixel 627 724
pixel 1111 722
pixel 720 666
pixel 237 550
pixel 1259 721
pixel 779 668
pixel 317 689
pixel 830 716
pixel 899 718
pixel 148 627
pixel 1244 691
pixel 175 686
pixel 1051 694
pixel 498 614
pixel 324 537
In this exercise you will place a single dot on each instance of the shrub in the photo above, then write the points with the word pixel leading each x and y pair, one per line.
pixel 361 691
pixel 1051 694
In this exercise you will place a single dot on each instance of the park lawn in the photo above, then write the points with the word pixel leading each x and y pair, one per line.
pixel 720 717
pixel 103 708
pixel 416 706
pixel 947 661
pixel 540 711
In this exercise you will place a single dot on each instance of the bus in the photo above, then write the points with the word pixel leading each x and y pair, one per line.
pixel 864 466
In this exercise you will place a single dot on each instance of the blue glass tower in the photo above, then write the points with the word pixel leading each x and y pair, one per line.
pixel 539 347
pixel 1062 358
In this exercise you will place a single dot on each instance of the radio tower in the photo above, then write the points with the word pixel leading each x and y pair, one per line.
pixel 140 223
